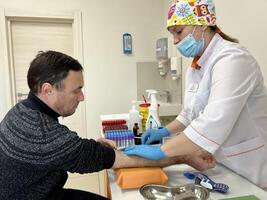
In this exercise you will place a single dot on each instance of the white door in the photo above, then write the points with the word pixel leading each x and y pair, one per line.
pixel 29 36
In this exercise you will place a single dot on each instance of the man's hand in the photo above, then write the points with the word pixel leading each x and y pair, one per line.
pixel 200 160
pixel 107 143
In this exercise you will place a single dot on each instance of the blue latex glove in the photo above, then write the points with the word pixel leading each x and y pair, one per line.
pixel 146 151
pixel 152 135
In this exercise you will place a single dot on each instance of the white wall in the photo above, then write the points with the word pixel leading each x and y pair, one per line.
pixel 246 21
pixel 110 76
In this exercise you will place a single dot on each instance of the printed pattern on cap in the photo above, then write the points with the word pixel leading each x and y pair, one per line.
pixel 192 12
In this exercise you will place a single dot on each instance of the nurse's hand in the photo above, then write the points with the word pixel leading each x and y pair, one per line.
pixel 145 151
pixel 200 160
pixel 152 135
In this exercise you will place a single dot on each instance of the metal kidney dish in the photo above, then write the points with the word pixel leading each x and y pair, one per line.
pixel 183 192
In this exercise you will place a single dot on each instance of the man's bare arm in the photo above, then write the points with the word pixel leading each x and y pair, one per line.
pixel 123 161
pixel 200 160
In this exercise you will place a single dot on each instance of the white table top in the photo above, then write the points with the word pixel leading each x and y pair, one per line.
pixel 238 186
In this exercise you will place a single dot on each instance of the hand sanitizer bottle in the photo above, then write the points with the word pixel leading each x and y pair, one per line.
pixel 152 119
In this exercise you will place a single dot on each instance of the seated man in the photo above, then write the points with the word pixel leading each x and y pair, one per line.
pixel 36 151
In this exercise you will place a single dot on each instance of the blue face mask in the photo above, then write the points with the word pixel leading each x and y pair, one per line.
pixel 189 47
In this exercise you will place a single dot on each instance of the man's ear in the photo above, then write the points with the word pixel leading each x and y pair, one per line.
pixel 46 89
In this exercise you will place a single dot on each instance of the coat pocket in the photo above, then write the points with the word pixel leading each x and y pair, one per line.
pixel 248 159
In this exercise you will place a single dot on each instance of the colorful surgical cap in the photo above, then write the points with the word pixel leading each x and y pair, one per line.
pixel 192 12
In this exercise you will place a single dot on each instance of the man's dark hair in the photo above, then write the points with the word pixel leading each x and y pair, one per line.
pixel 51 67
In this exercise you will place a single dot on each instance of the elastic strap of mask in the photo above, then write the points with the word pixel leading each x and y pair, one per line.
pixel 194 30
pixel 203 33
pixel 194 64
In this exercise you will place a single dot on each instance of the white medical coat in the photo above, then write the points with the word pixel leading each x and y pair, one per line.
pixel 225 109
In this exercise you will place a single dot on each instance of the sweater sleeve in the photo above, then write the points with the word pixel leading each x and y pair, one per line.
pixel 88 156
pixel 34 138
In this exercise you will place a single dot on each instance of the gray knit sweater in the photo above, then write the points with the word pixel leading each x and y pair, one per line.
pixel 36 152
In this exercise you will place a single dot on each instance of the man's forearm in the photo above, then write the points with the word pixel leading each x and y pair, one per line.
pixel 123 161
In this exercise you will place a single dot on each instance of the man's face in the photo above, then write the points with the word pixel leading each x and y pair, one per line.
pixel 68 97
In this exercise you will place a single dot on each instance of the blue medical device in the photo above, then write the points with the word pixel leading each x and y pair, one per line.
pixel 205 181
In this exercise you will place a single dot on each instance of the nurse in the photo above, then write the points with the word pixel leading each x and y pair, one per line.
pixel 225 103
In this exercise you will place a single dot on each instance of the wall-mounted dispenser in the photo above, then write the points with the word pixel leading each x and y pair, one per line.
pixel 163 67
pixel 127 43
pixel 176 67
pixel 162 49
pixel 174 63
pixel 162 55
